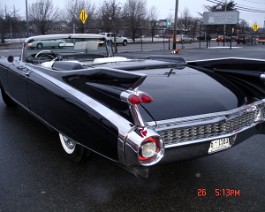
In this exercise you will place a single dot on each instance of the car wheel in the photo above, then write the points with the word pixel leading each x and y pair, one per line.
pixel 39 46
pixel 124 43
pixel 7 100
pixel 74 151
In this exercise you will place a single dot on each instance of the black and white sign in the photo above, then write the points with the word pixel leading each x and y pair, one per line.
pixel 220 18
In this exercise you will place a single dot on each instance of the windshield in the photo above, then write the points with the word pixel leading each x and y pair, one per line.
pixel 84 49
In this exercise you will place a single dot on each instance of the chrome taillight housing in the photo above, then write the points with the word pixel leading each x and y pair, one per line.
pixel 144 147
pixel 149 149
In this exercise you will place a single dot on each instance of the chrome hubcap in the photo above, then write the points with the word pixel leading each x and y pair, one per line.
pixel 69 143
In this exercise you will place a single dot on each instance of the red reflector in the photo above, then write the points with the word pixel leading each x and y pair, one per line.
pixel 146 98
pixel 134 99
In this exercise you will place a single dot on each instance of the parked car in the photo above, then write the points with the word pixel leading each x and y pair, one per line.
pixel 261 40
pixel 227 38
pixel 244 39
pixel 241 39
pixel 183 39
pixel 119 39
pixel 233 38
pixel 220 38
pixel 45 44
pixel 135 112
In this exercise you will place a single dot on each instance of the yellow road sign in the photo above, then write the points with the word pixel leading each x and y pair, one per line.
pixel 255 27
pixel 83 16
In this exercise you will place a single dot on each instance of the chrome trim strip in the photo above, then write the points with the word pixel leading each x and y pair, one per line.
pixel 125 95
pixel 227 58
pixel 262 77
pixel 209 116
pixel 137 118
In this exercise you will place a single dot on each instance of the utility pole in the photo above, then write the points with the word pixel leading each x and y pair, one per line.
pixel 73 20
pixel 175 24
pixel 225 24
pixel 27 17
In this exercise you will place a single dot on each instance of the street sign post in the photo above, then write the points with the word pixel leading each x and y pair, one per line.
pixel 83 16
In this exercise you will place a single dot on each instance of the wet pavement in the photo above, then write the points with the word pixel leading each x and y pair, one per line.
pixel 35 175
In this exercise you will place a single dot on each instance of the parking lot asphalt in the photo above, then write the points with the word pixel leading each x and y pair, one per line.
pixel 35 175
pixel 193 52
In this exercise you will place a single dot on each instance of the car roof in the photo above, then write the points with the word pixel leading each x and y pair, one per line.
pixel 62 36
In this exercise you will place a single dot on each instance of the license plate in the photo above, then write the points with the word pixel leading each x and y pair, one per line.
pixel 219 145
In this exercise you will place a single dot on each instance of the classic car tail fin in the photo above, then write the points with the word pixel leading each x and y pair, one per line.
pixel 107 78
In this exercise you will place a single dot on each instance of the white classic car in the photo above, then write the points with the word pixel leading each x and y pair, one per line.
pixel 119 39
pixel 39 44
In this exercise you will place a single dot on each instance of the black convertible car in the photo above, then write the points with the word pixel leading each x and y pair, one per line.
pixel 136 112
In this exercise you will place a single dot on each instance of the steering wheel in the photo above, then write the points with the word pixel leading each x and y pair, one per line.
pixel 47 54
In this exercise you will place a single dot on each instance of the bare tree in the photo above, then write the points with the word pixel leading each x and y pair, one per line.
pixel 186 20
pixel 73 9
pixel 2 27
pixel 135 12
pixel 41 14
pixel 243 25
pixel 221 6
pixel 153 14
pixel 8 22
pixel 109 14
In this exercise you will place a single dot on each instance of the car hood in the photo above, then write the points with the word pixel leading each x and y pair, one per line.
pixel 187 92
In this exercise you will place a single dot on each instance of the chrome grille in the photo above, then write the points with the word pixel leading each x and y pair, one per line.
pixel 181 131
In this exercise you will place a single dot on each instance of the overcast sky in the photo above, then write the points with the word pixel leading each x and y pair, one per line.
pixel 164 7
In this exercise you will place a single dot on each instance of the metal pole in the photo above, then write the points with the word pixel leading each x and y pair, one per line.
pixel 224 24
pixel 175 24
pixel 73 19
pixel 115 37
pixel 141 40
pixel 27 17
pixel 181 35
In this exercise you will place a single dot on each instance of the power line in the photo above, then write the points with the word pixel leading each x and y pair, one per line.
pixel 240 7
pixel 254 2
pixel 249 9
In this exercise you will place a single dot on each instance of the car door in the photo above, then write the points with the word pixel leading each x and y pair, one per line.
pixel 119 39
pixel 18 74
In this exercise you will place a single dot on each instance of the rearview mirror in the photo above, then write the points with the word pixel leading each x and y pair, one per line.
pixel 10 59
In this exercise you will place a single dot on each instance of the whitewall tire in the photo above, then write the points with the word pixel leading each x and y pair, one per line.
pixel 73 150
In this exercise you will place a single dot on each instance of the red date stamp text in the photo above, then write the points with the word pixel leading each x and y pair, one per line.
pixel 218 192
